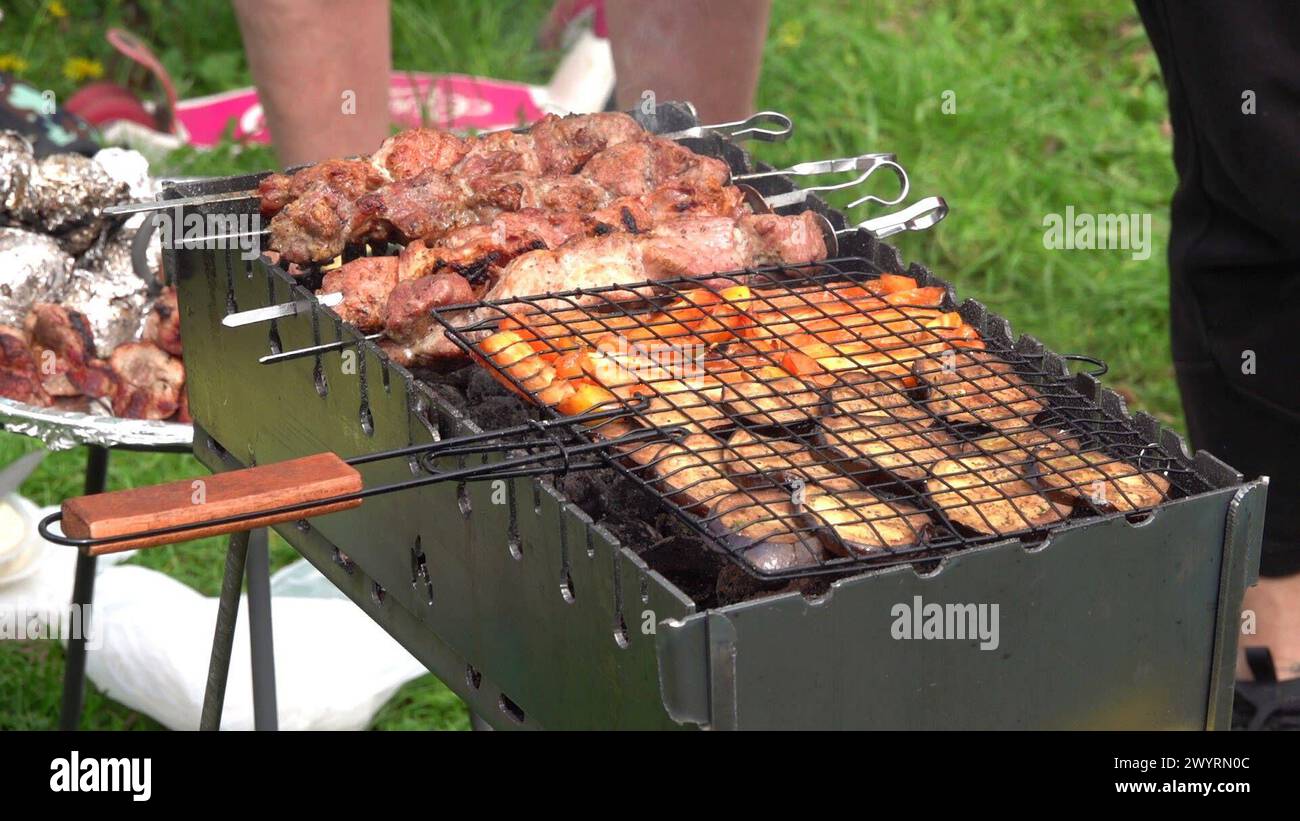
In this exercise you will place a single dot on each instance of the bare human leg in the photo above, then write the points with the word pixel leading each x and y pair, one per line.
pixel 321 68
pixel 706 51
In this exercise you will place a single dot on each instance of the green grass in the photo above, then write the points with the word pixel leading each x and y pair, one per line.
pixel 1056 104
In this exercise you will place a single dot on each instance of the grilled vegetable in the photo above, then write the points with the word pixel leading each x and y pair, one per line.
pixel 857 392
pixel 756 461
pixel 974 386
pixel 783 401
pixel 763 527
pixel 1096 478
pixel 983 496
pixel 905 450
pixel 685 472
pixel 861 522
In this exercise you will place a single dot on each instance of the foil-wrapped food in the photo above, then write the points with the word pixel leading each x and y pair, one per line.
pixel 33 268
pixel 81 329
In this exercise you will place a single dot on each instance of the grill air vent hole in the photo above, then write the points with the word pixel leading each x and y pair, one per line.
pixel 1140 518
pixel 567 591
pixel 621 636
pixel 344 561
pixel 303 526
pixel 367 421
pixel 378 593
pixel 511 709
pixel 274 338
pixel 473 677
pixel 515 546
pixel 318 375
pixel 462 500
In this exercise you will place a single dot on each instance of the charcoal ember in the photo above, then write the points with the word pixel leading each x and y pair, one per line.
pixel 33 268
pixel 16 164
pixel 65 197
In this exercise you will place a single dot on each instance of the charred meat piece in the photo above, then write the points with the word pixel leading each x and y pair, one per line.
pixel 858 392
pixel 365 284
pixel 417 150
pixel 498 153
pixel 985 497
pixel 905 450
pixel 162 326
pixel 640 166
pixel 564 145
pixel 64 348
pixel 515 191
pixel 19 377
pixel 1098 479
pixel 351 178
pixel 860 522
pixel 974 386
pixel 427 205
pixel 317 225
pixel 151 381
pixel 687 474
pixel 408 316
pixel 782 402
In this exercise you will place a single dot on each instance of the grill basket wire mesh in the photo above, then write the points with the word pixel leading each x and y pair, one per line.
pixel 909 447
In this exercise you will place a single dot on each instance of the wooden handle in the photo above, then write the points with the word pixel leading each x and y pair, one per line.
pixel 195 501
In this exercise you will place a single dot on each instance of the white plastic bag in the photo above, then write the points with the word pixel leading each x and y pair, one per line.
pixel 334 667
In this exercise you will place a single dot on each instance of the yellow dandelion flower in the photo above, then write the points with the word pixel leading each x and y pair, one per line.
pixel 12 63
pixel 57 10
pixel 78 69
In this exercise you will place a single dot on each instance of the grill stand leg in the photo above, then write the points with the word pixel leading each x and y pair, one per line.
pixel 223 639
pixel 83 592
pixel 259 631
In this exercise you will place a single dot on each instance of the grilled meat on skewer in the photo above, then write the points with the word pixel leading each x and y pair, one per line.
pixel 764 528
pixel 151 381
pixel 693 246
pixel 554 145
pixel 326 217
pixel 365 284
pixel 407 311
pixel 475 251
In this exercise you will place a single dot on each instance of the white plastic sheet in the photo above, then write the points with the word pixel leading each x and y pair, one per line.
pixel 334 667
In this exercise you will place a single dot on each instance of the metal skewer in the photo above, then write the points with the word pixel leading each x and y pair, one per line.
pixel 867 164
pixel 252 317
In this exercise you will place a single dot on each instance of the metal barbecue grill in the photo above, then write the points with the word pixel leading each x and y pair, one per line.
pixel 814 433
pixel 567 600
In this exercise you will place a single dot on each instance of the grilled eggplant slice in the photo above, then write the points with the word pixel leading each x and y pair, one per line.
pixel 763 527
pixel 858 392
pixel 686 472
pixel 756 461
pixel 782 401
pixel 1107 483
pixel 863 523
pixel 905 450
pixel 984 496
pixel 695 404
pixel 975 386
pixel 1016 449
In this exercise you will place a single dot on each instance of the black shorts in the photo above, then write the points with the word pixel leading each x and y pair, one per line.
pixel 1234 246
